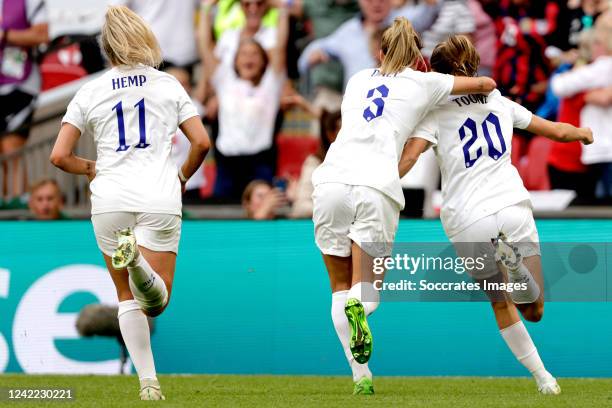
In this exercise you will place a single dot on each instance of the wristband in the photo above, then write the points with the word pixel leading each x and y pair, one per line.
pixel 182 176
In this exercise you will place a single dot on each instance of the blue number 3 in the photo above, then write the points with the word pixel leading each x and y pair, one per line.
pixel 470 125
pixel 368 115
pixel 142 143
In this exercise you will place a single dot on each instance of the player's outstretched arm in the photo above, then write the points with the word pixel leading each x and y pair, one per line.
pixel 200 145
pixel 412 150
pixel 559 131
pixel 473 85
pixel 62 155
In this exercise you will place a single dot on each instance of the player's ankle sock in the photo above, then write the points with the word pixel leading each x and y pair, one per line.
pixel 367 295
pixel 343 331
pixel 522 275
pixel 137 338
pixel 147 286
pixel 518 340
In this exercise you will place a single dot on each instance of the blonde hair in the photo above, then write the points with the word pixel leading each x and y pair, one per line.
pixel 455 56
pixel 127 40
pixel 401 47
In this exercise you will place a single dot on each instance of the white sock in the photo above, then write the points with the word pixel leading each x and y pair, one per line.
pixel 518 340
pixel 522 275
pixel 147 286
pixel 137 337
pixel 344 333
pixel 367 295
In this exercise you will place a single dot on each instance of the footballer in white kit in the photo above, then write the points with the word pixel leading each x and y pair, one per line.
pixel 132 115
pixel 132 112
pixel 357 194
pixel 486 210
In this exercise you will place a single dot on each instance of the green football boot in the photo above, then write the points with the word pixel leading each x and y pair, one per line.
pixel 126 250
pixel 363 387
pixel 361 337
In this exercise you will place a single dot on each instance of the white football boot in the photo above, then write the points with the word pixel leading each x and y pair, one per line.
pixel 548 385
pixel 151 391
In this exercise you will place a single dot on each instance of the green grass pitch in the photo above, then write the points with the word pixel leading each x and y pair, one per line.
pixel 296 392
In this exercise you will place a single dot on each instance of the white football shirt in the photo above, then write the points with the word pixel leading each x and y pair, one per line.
pixel 132 115
pixel 379 113
pixel 472 138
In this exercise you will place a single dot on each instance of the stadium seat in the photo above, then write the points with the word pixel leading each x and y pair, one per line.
pixel 62 66
pixel 533 168
pixel 292 151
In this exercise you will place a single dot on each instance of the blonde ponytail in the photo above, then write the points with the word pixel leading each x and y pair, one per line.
pixel 127 40
pixel 400 46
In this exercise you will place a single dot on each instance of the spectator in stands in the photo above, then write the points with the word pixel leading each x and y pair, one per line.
pixel 455 17
pixel 235 21
pixel 484 38
pixel 173 23
pixel 249 93
pixel 350 42
pixel 46 201
pixel 301 194
pixel 593 76
pixel 326 79
pixel 232 14
pixel 523 28
pixel 261 201
pixel 23 27
pixel 254 12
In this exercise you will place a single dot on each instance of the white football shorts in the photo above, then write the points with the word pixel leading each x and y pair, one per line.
pixel 157 232
pixel 343 213
pixel 517 224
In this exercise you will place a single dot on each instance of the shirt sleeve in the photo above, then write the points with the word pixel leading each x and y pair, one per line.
pixel 439 87
pixel 186 107
pixel 75 113
pixel 331 45
pixel 273 82
pixel 222 76
pixel 521 116
pixel 427 129
pixel 575 81
pixel 463 18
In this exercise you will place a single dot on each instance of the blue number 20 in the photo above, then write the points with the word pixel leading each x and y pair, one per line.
pixel 368 115
pixel 123 146
pixel 493 153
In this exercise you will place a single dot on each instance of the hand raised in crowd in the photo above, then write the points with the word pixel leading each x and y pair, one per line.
pixel 273 200
pixel 318 57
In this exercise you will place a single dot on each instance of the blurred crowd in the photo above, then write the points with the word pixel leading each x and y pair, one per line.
pixel 250 64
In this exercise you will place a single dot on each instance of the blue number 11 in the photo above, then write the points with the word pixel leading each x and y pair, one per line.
pixel 142 144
